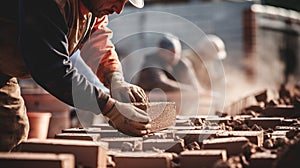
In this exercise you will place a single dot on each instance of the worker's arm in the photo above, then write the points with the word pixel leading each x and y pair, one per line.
pixel 44 46
pixel 100 54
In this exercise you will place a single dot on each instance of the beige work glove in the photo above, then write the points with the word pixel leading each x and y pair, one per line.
pixel 126 92
pixel 128 119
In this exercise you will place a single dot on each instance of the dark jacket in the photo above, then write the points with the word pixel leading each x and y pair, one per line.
pixel 39 40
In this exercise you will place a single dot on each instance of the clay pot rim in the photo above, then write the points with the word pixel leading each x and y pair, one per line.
pixel 38 114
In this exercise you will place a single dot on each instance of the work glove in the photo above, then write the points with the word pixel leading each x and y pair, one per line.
pixel 126 92
pixel 127 118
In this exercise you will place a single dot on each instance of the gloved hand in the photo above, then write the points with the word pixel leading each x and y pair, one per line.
pixel 128 119
pixel 126 92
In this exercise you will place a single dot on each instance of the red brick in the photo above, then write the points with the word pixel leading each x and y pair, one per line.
pixel 255 137
pixel 201 158
pixel 158 135
pixel 103 126
pixel 44 160
pixel 216 119
pixel 163 115
pixel 168 145
pixel 264 122
pixel 262 160
pixel 78 136
pixel 186 122
pixel 190 136
pixel 233 145
pixel 87 153
pixel 117 142
pixel 143 160
pixel 287 111
pixel 97 131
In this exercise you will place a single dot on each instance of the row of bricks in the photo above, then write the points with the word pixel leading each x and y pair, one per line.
pixel 94 155
pixel 91 154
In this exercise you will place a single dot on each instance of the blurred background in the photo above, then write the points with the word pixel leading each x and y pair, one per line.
pixel 261 38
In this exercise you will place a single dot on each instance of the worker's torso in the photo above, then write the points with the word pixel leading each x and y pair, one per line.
pixel 11 61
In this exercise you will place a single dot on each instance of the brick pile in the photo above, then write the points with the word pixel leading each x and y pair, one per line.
pixel 255 138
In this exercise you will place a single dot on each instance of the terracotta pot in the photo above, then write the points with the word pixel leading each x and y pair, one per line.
pixel 45 102
pixel 39 124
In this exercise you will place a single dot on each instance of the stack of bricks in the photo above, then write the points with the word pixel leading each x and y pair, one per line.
pixel 186 146
pixel 244 140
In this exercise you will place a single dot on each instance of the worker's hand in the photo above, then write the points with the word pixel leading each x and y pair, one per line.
pixel 126 92
pixel 128 119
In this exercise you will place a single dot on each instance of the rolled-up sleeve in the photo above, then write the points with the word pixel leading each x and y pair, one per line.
pixel 99 52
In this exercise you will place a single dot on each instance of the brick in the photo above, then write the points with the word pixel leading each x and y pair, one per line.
pixel 289 121
pixel 186 122
pixel 157 135
pixel 97 131
pixel 109 133
pixel 201 158
pixel 264 122
pixel 216 119
pixel 78 136
pixel 45 160
pixel 255 137
pixel 262 159
pixel 167 145
pixel 287 111
pixel 233 145
pixel 143 159
pixel 190 136
pixel 87 153
pixel 118 142
pixel 163 114
pixel 103 126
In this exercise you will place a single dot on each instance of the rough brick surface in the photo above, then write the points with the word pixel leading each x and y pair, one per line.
pixel 264 122
pixel 255 137
pixel 201 158
pixel 32 160
pixel 87 153
pixel 262 160
pixel 168 145
pixel 78 136
pixel 163 114
pixel 143 160
pixel 119 142
pixel 233 145
pixel 199 136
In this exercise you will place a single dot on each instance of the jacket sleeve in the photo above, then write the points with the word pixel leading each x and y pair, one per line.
pixel 99 52
pixel 44 46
